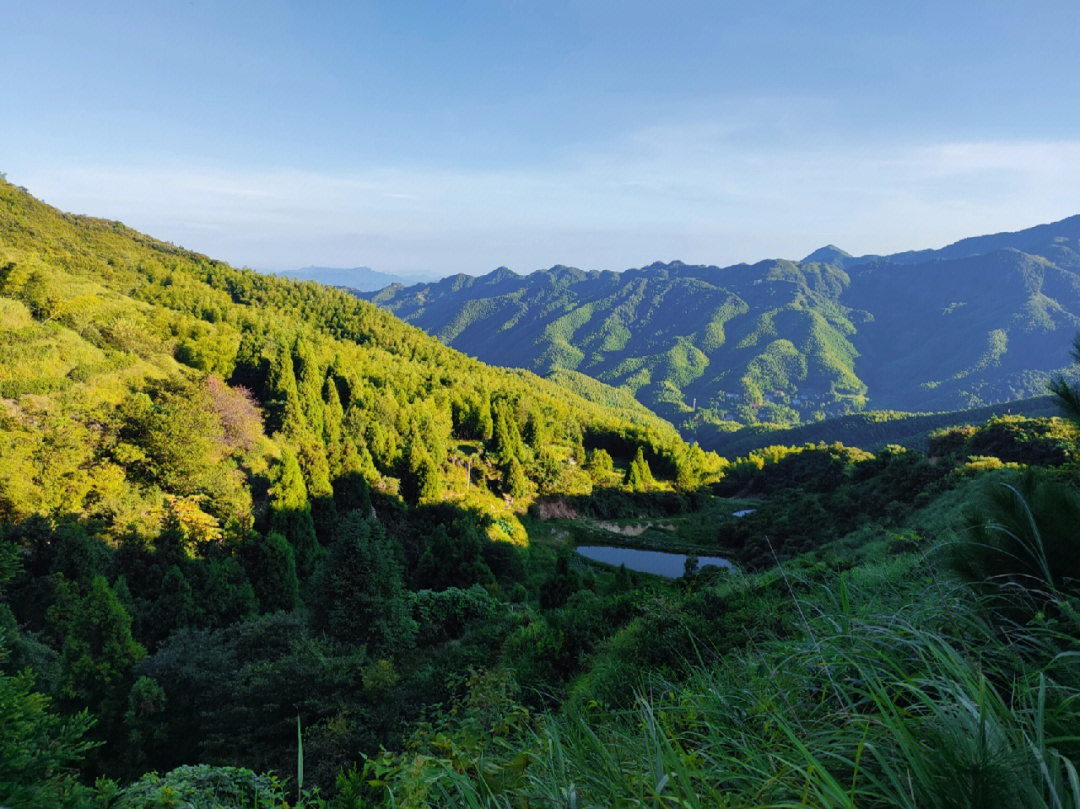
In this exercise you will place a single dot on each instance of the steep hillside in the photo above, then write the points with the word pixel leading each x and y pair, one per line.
pixel 197 462
pixel 107 332
pixel 782 342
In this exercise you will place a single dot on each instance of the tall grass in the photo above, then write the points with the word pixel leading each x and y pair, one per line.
pixel 906 686
pixel 1023 531
pixel 889 701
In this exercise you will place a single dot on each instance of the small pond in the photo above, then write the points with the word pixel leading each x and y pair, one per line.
pixel 661 563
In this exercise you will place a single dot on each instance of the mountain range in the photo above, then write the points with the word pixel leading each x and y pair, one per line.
pixel 985 320
pixel 362 279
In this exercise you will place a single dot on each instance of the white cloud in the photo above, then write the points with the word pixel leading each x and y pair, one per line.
pixel 1039 158
pixel 702 193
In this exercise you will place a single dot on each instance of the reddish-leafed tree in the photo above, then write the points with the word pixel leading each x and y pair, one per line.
pixel 240 418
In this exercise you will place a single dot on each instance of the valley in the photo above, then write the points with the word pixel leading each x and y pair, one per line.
pixel 264 542
pixel 452 405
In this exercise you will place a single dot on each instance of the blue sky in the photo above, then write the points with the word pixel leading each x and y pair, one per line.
pixel 457 137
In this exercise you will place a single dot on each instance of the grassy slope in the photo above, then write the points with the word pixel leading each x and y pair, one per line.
pixel 864 673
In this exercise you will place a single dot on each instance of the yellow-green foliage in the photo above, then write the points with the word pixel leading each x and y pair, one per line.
pixel 106 334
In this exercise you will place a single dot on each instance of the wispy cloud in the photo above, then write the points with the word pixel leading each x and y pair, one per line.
pixel 699 192
pixel 1023 158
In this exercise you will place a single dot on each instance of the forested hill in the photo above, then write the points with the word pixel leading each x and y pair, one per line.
pixel 191 452
pixel 168 375
pixel 874 430
pixel 982 321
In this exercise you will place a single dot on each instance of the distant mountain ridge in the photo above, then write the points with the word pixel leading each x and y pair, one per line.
pixel 362 279
pixel 987 319
pixel 1050 241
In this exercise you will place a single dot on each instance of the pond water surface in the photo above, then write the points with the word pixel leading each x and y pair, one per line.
pixel 661 563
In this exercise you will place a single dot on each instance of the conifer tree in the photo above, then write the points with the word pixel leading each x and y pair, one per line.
pixel 270 563
pixel 420 482
pixel 646 472
pixel 174 606
pixel 224 593
pixel 638 476
pixel 309 383
pixel 515 483
pixel 383 443
pixel 577 446
pixel 562 584
pixel 40 750
pixel 98 658
pixel 536 435
pixel 351 490
pixel 485 425
pixel 1065 392
pixel 251 369
pixel 361 595
pixel 688 470
pixel 365 464
pixel 320 491
pixel 332 428
pixel 291 512
pixel 501 433
pixel 506 435
pixel 599 462
pixel 454 559
pixel 283 408
pixel 623 581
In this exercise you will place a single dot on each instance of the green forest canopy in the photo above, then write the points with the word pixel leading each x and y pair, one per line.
pixel 246 526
